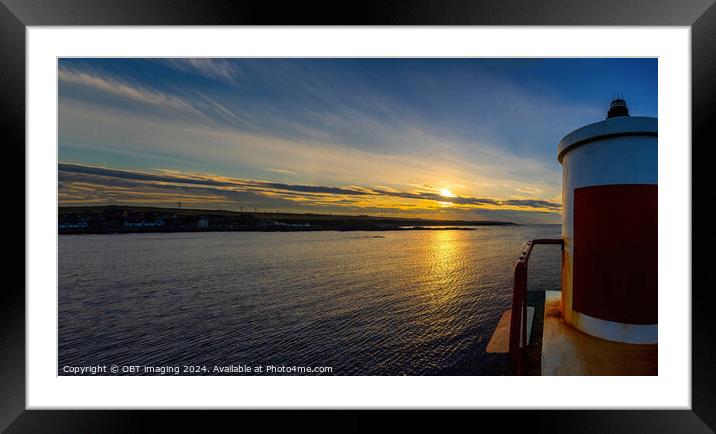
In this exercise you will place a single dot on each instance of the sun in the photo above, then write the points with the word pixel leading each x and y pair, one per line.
pixel 446 193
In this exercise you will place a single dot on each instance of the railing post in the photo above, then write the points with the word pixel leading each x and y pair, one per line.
pixel 518 322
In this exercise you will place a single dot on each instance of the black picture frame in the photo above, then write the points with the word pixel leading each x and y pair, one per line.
pixel 16 15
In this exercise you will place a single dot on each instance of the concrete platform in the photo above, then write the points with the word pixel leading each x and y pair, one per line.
pixel 567 351
pixel 500 341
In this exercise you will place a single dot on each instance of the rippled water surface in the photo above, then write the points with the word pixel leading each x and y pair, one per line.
pixel 363 303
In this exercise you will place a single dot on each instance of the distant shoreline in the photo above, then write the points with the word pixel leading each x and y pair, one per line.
pixel 113 219
pixel 417 228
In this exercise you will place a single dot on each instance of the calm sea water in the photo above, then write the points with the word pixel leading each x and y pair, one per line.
pixel 363 303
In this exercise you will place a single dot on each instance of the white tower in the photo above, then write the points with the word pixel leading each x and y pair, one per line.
pixel 609 227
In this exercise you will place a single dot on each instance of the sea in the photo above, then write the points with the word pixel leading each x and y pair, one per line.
pixel 414 302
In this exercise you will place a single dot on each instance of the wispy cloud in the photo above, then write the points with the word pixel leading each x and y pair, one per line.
pixel 76 177
pixel 196 103
pixel 413 162
pixel 281 171
pixel 359 134
pixel 121 88
pixel 220 69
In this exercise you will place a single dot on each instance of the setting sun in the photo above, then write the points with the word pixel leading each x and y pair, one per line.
pixel 446 193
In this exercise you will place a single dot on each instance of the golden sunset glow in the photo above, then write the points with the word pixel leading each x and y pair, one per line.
pixel 444 258
pixel 446 193
pixel 349 137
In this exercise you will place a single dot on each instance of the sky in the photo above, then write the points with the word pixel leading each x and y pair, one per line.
pixel 436 138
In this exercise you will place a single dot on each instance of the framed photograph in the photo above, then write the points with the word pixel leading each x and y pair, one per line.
pixel 479 207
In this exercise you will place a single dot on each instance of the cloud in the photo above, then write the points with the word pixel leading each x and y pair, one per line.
pixel 534 203
pixel 203 107
pixel 172 177
pixel 123 89
pixel 306 101
pixel 335 135
pixel 184 143
pixel 281 171
pixel 219 69
pixel 77 181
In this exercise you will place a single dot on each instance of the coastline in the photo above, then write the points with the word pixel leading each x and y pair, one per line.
pixel 131 219
pixel 316 229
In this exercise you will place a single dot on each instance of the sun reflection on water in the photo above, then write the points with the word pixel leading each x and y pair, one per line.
pixel 443 265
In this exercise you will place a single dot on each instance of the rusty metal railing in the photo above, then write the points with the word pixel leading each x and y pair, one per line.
pixel 518 321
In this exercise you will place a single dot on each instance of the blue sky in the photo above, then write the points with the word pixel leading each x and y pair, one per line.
pixel 443 138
